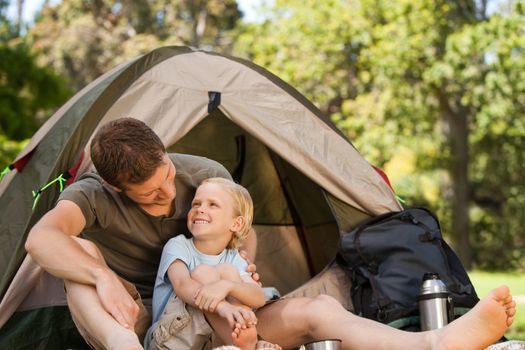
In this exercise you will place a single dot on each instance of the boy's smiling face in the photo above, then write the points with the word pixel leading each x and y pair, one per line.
pixel 212 215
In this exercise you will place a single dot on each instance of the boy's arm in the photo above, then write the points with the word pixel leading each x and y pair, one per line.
pixel 185 287
pixel 247 292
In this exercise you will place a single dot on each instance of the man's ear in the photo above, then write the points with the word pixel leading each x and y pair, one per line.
pixel 237 223
pixel 114 188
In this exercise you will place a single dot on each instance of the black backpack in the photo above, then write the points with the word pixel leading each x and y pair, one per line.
pixel 386 258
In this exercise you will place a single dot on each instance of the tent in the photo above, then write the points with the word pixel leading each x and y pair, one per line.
pixel 308 182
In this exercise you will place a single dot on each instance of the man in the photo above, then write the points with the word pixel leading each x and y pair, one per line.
pixel 137 201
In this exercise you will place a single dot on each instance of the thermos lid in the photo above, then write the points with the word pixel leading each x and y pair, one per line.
pixel 430 276
pixel 432 285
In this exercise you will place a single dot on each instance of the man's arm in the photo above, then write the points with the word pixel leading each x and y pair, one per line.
pixel 51 245
pixel 250 245
pixel 248 252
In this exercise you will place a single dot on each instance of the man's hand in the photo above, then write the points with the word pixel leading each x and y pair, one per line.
pixel 237 316
pixel 210 295
pixel 116 299
pixel 251 267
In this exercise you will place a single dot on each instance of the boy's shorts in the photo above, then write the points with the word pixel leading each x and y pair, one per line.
pixel 141 326
pixel 180 326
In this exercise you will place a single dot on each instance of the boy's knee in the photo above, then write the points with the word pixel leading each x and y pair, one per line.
pixel 205 273
pixel 228 271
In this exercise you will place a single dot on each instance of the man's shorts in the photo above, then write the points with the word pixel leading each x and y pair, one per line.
pixel 141 326
pixel 180 326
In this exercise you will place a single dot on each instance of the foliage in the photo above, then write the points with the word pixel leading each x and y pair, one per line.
pixel 82 39
pixel 28 91
pixel 430 90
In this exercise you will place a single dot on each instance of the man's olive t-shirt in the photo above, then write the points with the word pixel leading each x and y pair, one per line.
pixel 130 239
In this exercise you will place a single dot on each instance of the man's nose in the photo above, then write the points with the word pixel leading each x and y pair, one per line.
pixel 167 189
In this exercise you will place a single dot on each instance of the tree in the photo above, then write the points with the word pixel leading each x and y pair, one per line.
pixel 82 39
pixel 28 93
pixel 399 78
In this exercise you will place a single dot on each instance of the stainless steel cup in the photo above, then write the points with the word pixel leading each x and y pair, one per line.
pixel 328 344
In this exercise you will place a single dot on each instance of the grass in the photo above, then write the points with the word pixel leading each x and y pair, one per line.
pixel 485 281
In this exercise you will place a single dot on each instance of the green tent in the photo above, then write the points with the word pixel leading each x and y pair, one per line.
pixel 308 182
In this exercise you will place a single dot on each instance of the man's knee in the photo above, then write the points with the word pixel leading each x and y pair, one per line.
pixel 323 304
pixel 90 247
pixel 205 273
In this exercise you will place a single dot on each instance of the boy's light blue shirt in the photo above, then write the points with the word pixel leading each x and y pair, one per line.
pixel 182 248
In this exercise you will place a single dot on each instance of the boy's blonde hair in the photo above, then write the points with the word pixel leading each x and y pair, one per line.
pixel 242 206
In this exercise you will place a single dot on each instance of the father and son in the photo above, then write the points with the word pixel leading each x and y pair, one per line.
pixel 136 210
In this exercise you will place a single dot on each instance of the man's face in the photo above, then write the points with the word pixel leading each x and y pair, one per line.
pixel 159 189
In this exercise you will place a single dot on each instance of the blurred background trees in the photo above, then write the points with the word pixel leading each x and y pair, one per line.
pixel 29 92
pixel 432 91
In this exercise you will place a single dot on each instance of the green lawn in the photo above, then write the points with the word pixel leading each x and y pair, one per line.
pixel 485 281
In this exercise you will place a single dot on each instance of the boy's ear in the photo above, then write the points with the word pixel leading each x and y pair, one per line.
pixel 237 223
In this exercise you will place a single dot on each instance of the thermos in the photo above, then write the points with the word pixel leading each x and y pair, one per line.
pixel 434 302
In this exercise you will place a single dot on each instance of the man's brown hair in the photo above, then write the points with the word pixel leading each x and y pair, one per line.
pixel 126 150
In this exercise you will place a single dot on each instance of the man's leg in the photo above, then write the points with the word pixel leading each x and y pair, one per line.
pixel 295 321
pixel 95 324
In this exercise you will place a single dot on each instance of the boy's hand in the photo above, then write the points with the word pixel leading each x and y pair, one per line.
pixel 237 316
pixel 210 295
pixel 251 267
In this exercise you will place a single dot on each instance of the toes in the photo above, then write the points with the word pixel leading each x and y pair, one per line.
pixel 501 293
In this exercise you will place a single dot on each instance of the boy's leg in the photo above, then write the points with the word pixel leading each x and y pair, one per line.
pixel 295 321
pixel 95 324
pixel 245 338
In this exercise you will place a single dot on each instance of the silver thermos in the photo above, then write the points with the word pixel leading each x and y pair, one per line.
pixel 434 302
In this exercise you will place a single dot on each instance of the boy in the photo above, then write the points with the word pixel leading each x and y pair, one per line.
pixel 207 272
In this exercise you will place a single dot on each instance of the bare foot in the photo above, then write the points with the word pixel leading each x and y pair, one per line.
pixel 261 344
pixel 244 338
pixel 481 326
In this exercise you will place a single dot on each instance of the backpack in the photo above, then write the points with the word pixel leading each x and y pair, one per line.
pixel 386 258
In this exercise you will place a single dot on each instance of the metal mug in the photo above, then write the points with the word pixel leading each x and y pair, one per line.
pixel 327 344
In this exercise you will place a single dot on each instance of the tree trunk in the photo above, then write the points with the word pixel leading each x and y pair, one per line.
pixel 199 13
pixel 457 121
pixel 460 185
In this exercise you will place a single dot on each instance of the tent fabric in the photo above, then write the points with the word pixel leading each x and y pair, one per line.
pixel 308 182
